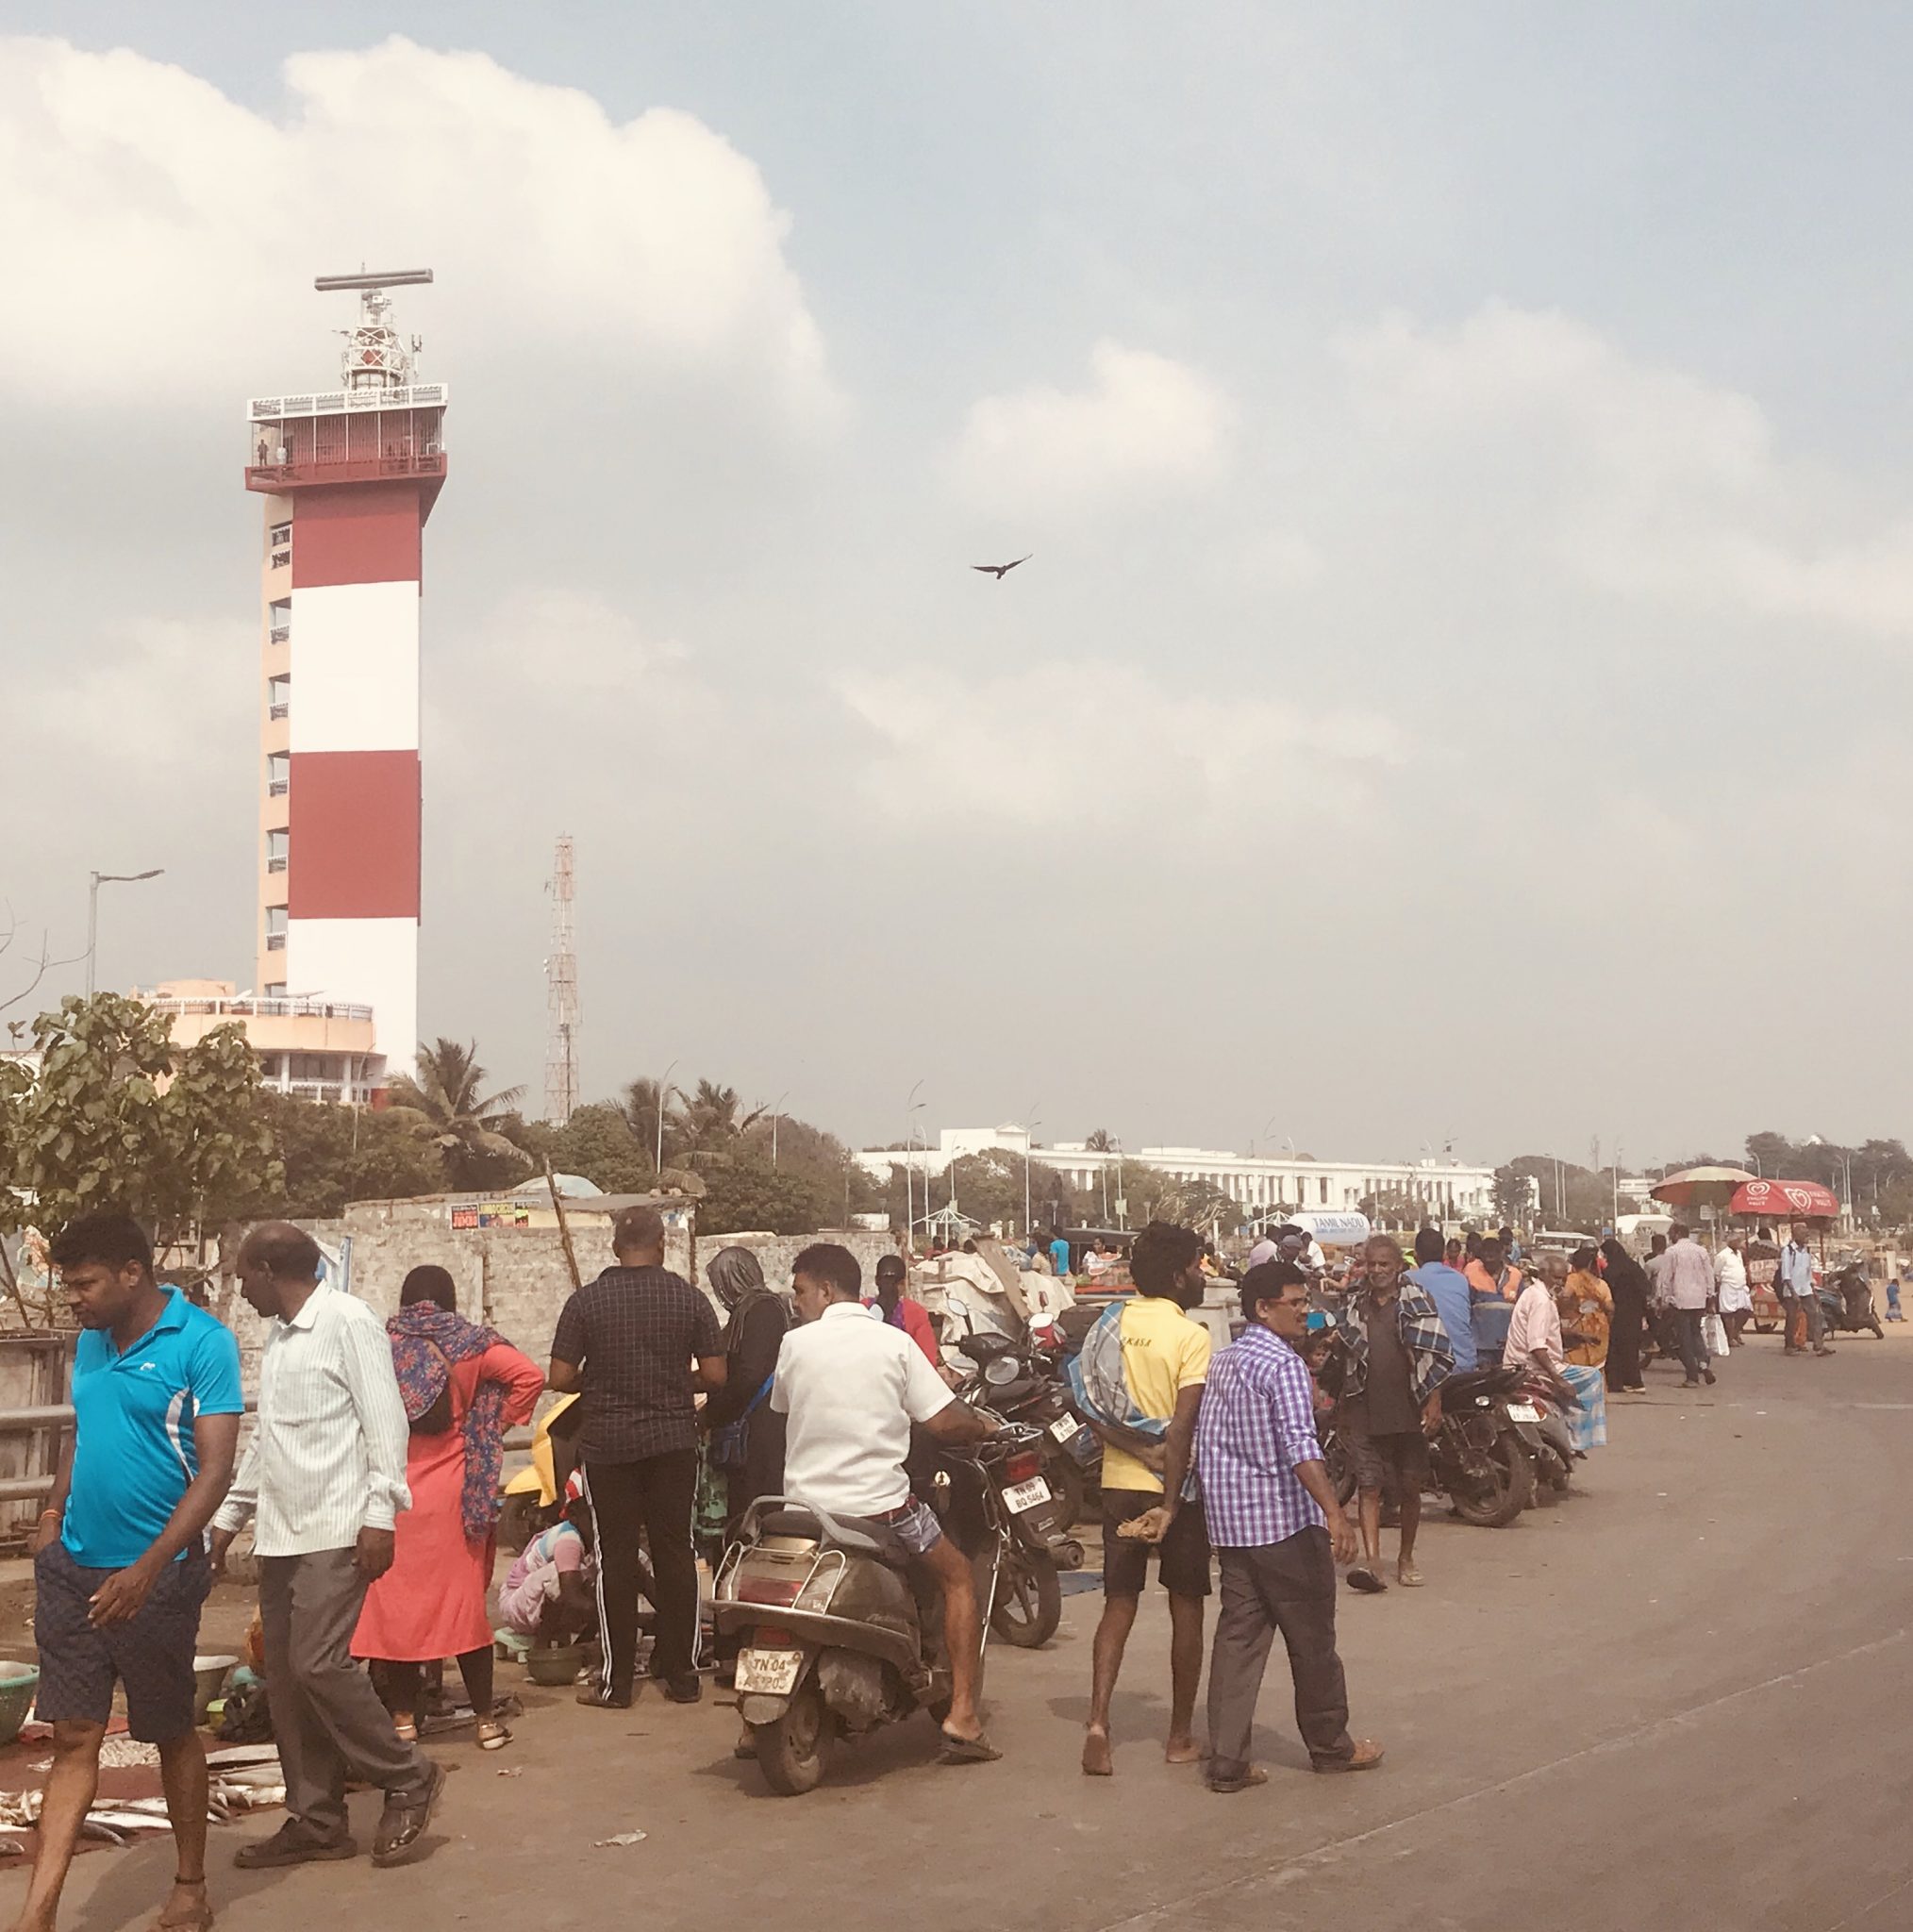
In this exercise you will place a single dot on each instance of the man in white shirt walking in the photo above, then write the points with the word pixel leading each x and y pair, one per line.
pixel 1687 1282
pixel 1735 1297
pixel 850 1388
pixel 325 1471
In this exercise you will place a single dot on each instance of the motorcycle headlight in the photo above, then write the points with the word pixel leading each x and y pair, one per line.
pixel 1003 1371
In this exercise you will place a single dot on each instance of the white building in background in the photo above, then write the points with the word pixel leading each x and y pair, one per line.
pixel 1445 1190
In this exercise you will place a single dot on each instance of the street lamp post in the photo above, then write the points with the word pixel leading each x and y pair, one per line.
pixel 97 881
pixel 664 1094
pixel 1029 1127
pixel 911 1107
pixel 775 1117
pixel 1122 1206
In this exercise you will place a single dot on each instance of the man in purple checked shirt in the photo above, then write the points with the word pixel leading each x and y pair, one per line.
pixel 1278 1530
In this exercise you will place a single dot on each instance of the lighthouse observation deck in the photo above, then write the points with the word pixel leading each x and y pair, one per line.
pixel 346 436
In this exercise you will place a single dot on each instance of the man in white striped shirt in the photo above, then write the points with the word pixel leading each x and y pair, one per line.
pixel 325 1471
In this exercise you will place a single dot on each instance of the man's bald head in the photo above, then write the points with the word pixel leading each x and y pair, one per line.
pixel 279 1267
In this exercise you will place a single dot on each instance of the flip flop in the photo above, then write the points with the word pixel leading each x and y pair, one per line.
pixel 956 1750
pixel 1253 1776
pixel 1409 1579
pixel 1364 1579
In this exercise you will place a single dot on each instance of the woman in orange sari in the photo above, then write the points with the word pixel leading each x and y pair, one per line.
pixel 1587 1309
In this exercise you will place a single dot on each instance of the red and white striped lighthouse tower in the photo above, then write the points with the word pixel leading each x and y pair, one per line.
pixel 349 477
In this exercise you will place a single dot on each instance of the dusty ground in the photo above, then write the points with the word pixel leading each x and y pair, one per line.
pixel 1678 1700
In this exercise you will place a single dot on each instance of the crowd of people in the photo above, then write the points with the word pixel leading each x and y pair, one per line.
pixel 371 1478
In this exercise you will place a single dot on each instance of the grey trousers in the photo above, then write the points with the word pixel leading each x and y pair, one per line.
pixel 1287 1587
pixel 327 1716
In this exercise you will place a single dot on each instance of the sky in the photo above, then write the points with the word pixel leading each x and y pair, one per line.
pixel 1457 694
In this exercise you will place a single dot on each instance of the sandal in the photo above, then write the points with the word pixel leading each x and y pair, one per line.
pixel 1364 1579
pixel 493 1736
pixel 1408 1577
pixel 977 1750
pixel 408 1729
pixel 200 1922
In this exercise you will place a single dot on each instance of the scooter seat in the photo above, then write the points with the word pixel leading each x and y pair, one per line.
pixel 854 1535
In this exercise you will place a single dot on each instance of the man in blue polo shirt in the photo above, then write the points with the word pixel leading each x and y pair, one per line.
pixel 1447 1287
pixel 120 1567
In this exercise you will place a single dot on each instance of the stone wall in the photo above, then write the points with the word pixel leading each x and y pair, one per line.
pixel 512 1278
pixel 776 1252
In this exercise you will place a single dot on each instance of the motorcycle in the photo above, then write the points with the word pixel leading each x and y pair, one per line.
pixel 1846 1302
pixel 1484 1454
pixel 1022 1385
pixel 840 1632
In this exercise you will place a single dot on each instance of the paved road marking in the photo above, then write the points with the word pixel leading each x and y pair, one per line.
pixel 1300 1866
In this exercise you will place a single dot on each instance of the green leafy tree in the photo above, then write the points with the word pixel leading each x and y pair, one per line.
pixel 118 1116
pixel 466 1125
pixel 598 1144
pixel 748 1195
pixel 333 1156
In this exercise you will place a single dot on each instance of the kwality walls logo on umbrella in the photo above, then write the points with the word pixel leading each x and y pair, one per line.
pixel 1808 1199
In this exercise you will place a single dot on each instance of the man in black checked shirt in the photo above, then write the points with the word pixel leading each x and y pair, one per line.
pixel 626 1341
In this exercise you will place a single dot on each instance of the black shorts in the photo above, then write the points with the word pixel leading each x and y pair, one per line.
pixel 1397 1461
pixel 150 1654
pixel 1185 1551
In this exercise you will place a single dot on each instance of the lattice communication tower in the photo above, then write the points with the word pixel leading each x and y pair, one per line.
pixel 562 994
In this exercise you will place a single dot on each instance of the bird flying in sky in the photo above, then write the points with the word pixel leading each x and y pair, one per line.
pixel 999 571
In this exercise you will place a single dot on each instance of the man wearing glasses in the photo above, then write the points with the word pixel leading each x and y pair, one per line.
pixel 1278 1530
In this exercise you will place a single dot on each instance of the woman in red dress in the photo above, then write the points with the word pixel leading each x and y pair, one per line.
pixel 463 1387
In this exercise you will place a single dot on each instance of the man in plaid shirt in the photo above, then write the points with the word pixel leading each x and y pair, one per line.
pixel 1278 1530
pixel 1397 1357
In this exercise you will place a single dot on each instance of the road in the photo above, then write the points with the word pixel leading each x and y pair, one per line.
pixel 1676 1699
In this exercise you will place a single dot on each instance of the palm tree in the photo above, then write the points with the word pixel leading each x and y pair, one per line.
pixel 711 1125
pixel 451 1112
pixel 641 1103
pixel 1101 1141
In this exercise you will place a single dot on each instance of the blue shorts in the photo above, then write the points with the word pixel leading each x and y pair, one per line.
pixel 151 1654
pixel 914 1524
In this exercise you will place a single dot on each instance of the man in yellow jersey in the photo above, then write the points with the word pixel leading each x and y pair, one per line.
pixel 1164 1363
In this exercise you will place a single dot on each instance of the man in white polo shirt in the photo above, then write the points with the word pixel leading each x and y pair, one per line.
pixel 851 1387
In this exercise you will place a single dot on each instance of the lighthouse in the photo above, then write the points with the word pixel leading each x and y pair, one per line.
pixel 348 477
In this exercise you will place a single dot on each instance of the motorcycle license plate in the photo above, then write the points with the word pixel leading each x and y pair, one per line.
pixel 1522 1412
pixel 1064 1428
pixel 1029 1496
pixel 770 1673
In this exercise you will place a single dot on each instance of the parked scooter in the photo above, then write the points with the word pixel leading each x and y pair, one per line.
pixel 839 1634
pixel 1550 1445
pixel 1846 1302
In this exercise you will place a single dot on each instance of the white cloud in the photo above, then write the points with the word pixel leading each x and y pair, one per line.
pixel 1636 479
pixel 1144 427
pixel 1067 744
pixel 170 229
